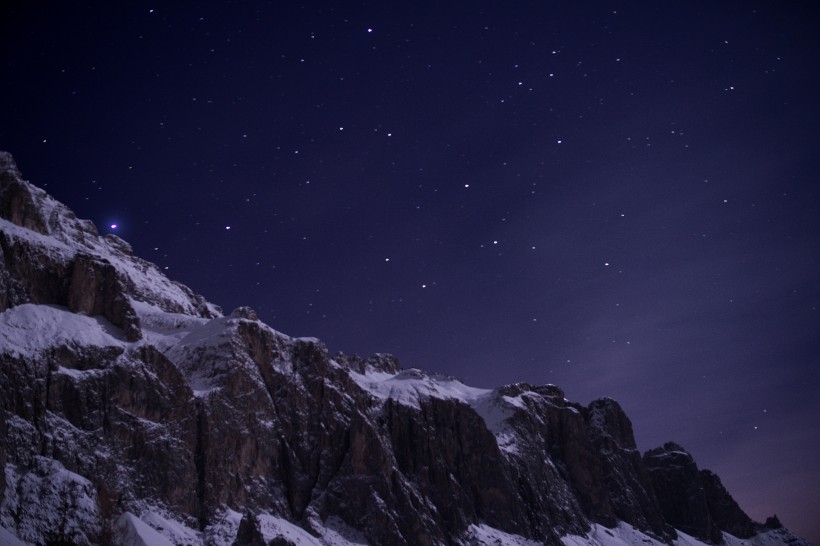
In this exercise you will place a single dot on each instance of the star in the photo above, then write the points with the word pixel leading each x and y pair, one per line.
pixel 322 186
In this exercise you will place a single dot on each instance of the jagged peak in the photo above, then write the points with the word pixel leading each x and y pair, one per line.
pixel 667 448
pixel 30 207
pixel 379 362
pixel 607 415
pixel 49 237
pixel 7 164
pixel 244 312
pixel 550 390
pixel 273 415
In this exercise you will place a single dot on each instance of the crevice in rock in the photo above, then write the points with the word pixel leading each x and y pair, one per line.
pixel 200 458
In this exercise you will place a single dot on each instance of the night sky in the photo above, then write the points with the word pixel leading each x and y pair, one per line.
pixel 620 198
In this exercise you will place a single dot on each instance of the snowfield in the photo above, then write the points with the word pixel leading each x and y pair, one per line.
pixel 153 529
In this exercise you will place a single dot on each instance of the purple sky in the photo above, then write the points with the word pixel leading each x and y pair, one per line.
pixel 618 198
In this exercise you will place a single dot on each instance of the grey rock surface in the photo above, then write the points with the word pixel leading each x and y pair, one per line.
pixel 125 392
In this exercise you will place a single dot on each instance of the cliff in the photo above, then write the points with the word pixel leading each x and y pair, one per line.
pixel 133 411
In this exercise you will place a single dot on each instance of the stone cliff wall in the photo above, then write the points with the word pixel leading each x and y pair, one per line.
pixel 169 405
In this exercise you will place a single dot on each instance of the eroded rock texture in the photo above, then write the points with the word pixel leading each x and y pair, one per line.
pixel 126 395
pixel 682 497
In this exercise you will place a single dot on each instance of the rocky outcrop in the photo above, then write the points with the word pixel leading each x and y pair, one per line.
pixel 2 453
pixel 129 401
pixel 680 492
pixel 17 203
pixel 725 512
pixel 49 256
pixel 458 467
pixel 249 533
pixel 594 460
pixel 95 288
pixel 773 522
pixel 693 500
pixel 625 479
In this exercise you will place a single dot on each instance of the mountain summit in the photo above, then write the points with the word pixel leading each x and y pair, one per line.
pixel 134 412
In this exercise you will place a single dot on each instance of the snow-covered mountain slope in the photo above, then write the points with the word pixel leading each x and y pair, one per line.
pixel 155 530
pixel 134 412
pixel 626 535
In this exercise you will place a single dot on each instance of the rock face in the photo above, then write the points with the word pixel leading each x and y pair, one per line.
pixel 681 493
pixel 725 512
pixel 129 402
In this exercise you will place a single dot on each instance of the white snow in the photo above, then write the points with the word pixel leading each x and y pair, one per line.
pixel 152 527
pixel 481 535
pixel 222 531
pixel 517 401
pixel 773 537
pixel 622 535
pixel 7 538
pixel 53 246
pixel 70 237
pixel 495 410
pixel 48 492
pixel 408 387
pixel 28 329
pixel 131 531
pixel 39 492
pixel 163 329
pixel 626 535
pixel 172 530
pixel 334 532
pixel 338 533
pixel 273 527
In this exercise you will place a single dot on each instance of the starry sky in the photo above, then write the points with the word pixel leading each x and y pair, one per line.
pixel 620 198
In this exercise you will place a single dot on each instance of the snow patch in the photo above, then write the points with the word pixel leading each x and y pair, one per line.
pixel 338 533
pixel 622 535
pixel 38 502
pixel 28 329
pixel 409 387
pixel 627 535
pixel 206 353
pixel 273 527
pixel 7 538
pixel 771 537
pixel 70 237
pixel 161 328
pixel 131 531
pixel 481 535
pixel 172 530
pixel 334 532
pixel 222 532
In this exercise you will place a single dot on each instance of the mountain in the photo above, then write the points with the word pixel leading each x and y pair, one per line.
pixel 135 412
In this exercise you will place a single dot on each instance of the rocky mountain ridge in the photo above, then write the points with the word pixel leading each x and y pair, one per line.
pixel 133 411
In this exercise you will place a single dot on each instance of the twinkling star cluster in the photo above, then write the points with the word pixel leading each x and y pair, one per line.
pixel 618 198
